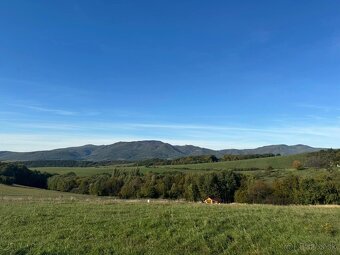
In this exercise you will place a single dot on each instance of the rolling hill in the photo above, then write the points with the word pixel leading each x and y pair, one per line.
pixel 140 150
pixel 84 224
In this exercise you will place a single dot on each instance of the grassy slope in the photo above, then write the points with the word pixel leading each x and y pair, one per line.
pixel 80 171
pixel 282 167
pixel 88 171
pixel 283 162
pixel 92 226
pixel 18 192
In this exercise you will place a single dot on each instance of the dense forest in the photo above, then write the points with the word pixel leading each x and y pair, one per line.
pixel 201 159
pixel 69 163
pixel 230 157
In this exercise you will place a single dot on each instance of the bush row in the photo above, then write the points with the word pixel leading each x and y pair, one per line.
pixel 133 184
pixel 291 190
pixel 20 174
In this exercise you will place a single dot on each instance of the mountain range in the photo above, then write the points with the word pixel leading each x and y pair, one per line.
pixel 140 150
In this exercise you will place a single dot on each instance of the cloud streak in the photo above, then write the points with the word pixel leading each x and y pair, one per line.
pixel 55 111
pixel 48 135
pixel 46 109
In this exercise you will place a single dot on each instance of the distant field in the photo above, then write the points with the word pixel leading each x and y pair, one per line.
pixel 282 167
pixel 88 171
pixel 282 162
pixel 32 225
pixel 80 171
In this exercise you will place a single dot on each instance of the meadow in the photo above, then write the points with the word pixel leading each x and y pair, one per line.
pixel 36 221
pixel 279 167
pixel 281 162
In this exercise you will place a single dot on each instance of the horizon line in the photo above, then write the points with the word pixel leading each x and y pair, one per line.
pixel 150 140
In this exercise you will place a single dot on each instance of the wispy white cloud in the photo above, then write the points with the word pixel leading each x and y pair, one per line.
pixel 46 86
pixel 48 126
pixel 46 109
pixel 49 110
pixel 32 142
pixel 7 112
pixel 48 135
pixel 311 130
pixel 24 142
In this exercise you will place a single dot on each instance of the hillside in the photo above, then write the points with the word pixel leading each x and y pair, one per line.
pixel 140 150
pixel 103 226
pixel 256 167
pixel 274 149
pixel 23 192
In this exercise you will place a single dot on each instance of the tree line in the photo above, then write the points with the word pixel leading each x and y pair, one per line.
pixel 227 186
pixel 293 189
pixel 134 184
pixel 19 174
pixel 178 161
pixel 201 159
pixel 231 157
pixel 70 163
pixel 323 159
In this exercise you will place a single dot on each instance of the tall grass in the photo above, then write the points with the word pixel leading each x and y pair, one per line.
pixel 94 226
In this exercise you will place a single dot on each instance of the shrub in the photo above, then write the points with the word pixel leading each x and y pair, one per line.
pixel 297 165
pixel 270 168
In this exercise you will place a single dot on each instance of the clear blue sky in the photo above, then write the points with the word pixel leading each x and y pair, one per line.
pixel 218 74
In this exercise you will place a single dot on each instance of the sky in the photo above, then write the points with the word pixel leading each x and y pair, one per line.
pixel 216 74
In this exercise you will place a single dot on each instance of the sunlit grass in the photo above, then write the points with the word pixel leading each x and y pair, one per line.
pixel 281 167
pixel 61 225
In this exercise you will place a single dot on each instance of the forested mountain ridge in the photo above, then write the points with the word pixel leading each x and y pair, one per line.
pixel 141 150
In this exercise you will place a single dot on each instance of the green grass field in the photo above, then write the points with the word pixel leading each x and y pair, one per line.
pixel 18 192
pixel 37 221
pixel 282 167
pixel 282 162
pixel 80 171
pixel 88 171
